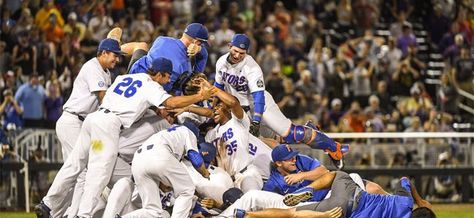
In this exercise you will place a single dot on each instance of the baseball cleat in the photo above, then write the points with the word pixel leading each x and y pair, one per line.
pixel 42 211
pixel 298 196
pixel 115 33
pixel 337 156
pixel 239 213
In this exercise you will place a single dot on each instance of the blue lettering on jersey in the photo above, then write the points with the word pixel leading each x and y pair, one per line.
pixel 231 148
pixel 239 83
pixel 227 134
pixel 172 128
pixel 252 149
pixel 129 85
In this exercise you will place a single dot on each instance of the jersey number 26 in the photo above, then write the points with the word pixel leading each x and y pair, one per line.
pixel 129 85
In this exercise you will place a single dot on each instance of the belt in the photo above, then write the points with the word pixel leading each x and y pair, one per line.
pixel 246 108
pixel 81 118
pixel 105 110
pixel 241 171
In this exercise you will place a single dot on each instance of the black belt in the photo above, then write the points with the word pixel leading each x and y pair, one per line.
pixel 241 171
pixel 246 108
pixel 81 118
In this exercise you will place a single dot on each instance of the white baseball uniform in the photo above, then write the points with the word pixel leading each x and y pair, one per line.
pixel 261 155
pixel 244 78
pixel 234 154
pixel 97 145
pixel 219 181
pixel 158 160
pixel 91 78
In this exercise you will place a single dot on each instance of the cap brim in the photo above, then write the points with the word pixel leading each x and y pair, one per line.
pixel 290 155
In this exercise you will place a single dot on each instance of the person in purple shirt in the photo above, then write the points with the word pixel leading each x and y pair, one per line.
pixel 188 54
pixel 406 39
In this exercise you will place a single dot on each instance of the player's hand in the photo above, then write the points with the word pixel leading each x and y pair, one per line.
pixel 255 128
pixel 208 203
pixel 193 49
pixel 178 111
pixel 293 178
pixel 205 92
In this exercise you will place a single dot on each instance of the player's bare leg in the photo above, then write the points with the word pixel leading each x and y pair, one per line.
pixel 129 48
pixel 291 213
pixel 115 33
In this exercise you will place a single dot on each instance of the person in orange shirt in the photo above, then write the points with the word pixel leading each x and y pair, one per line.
pixel 43 15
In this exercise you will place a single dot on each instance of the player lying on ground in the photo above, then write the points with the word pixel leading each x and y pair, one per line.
pixel 353 200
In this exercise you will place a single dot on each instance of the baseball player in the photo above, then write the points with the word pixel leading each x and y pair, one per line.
pixel 293 171
pixel 158 161
pixel 88 90
pixel 356 202
pixel 240 75
pixel 97 145
pixel 181 52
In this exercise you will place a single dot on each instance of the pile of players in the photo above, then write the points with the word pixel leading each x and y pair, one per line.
pixel 161 141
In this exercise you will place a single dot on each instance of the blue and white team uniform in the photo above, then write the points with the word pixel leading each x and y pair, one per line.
pixel 97 145
pixel 276 183
pixel 174 50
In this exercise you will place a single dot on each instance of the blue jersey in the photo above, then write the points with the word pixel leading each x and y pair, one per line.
pixel 174 50
pixel 276 182
pixel 372 205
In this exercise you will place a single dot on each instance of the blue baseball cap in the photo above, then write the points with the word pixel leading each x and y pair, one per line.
pixel 111 45
pixel 197 31
pixel 240 41
pixel 208 152
pixel 283 152
pixel 231 195
pixel 191 126
pixel 161 65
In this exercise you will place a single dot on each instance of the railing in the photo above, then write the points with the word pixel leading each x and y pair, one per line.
pixel 375 145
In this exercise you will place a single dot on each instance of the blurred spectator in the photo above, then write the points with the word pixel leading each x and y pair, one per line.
pixel 319 70
pixel 394 55
pixel 268 58
pixel 54 32
pixel 141 28
pixel 344 15
pixel 25 22
pixel 417 104
pixel 413 59
pixel 374 121
pixel 31 95
pixel 307 87
pixel 283 20
pixel 182 11
pixel 274 84
pixel 452 52
pixel 10 83
pixel 53 103
pixel 465 27
pixel 401 8
pixel 463 72
pixel 100 24
pixel 361 81
pixel 445 187
pixel 448 38
pixel 73 26
pixel 45 61
pixel 39 179
pixel 118 9
pixel 224 36
pixel 11 111
pixel 383 96
pixel 439 24
pixel 46 12
pixel 353 120
pixel 159 9
pixel 335 113
pixel 366 14
pixel 24 55
pixel 406 39
pixel 5 58
pixel 404 78
pixel 292 100
pixel 447 96
pixel 414 126
pixel 394 123
pixel 396 29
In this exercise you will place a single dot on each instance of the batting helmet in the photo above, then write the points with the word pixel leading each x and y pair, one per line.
pixel 208 152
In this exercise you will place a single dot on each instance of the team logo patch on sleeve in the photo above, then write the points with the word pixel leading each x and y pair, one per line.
pixel 259 83
pixel 101 84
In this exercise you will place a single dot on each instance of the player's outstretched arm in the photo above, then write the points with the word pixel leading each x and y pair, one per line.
pixel 201 111
pixel 186 100
pixel 226 98
pixel 417 198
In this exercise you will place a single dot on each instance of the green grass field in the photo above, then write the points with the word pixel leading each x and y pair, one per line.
pixel 441 210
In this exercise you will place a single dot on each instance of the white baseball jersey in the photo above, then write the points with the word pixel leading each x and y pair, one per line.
pixel 130 95
pixel 91 78
pixel 235 137
pixel 261 154
pixel 240 79
pixel 179 139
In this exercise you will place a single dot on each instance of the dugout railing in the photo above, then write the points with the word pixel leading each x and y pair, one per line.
pixel 377 148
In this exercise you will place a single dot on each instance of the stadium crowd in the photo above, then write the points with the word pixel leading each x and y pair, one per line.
pixel 328 61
